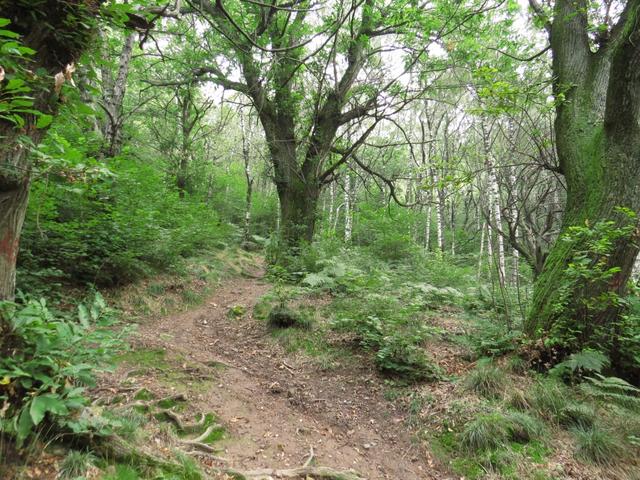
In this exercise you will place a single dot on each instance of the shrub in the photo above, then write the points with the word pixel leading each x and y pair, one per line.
pixel 47 360
pixel 401 358
pixel 486 380
pixel 492 339
pixel 598 445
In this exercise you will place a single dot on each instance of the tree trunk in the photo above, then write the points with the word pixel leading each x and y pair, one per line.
pixel 114 92
pixel 494 199
pixel 598 145
pixel 13 205
pixel 348 209
pixel 298 212
pixel 41 29
pixel 332 201
pixel 249 179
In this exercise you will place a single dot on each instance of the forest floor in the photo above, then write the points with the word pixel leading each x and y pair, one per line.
pixel 276 407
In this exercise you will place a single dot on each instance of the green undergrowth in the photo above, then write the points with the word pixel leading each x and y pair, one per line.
pixel 510 425
pixel 171 371
pixel 188 285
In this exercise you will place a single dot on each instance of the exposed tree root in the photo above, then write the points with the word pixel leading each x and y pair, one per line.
pixel 118 449
pixel 180 423
pixel 301 472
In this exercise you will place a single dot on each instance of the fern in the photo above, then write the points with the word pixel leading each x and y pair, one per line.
pixel 612 390
pixel 578 363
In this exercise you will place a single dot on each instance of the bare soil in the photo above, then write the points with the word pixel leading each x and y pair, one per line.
pixel 276 406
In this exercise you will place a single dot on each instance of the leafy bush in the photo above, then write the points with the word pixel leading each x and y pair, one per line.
pixel 46 361
pixel 399 357
pixel 429 296
pixel 112 227
pixel 394 332
pixel 586 295
pixel 493 339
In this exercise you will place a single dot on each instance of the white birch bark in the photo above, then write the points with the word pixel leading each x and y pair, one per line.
pixel 248 177
pixel 113 97
pixel 348 210
pixel 332 201
pixel 439 210
pixel 494 199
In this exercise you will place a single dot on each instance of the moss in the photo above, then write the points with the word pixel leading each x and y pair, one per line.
pixel 145 358
pixel 143 394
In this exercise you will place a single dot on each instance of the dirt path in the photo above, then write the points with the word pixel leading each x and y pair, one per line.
pixel 276 407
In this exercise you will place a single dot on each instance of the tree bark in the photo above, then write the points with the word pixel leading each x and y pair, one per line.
pixel 113 98
pixel 13 205
pixel 494 199
pixel 348 209
pixel 248 178
pixel 598 145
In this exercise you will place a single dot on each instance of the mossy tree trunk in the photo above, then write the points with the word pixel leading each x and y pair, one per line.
pixel 598 144
pixel 58 32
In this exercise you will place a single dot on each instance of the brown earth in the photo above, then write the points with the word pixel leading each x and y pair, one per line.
pixel 278 407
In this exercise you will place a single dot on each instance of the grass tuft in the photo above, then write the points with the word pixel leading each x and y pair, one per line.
pixel 76 464
pixel 524 427
pixel 577 415
pixel 519 400
pixel 485 432
pixel 487 380
pixel 549 397
pixel 597 445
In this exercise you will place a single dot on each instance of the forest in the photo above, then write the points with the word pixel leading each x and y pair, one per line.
pixel 319 239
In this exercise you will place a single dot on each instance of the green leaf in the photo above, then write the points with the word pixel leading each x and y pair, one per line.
pixel 4 22
pixel 83 315
pixel 46 403
pixel 15 83
pixel 24 425
pixel 44 121
pixel 9 34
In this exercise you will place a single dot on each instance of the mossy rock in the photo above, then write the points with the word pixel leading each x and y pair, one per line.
pixel 285 317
